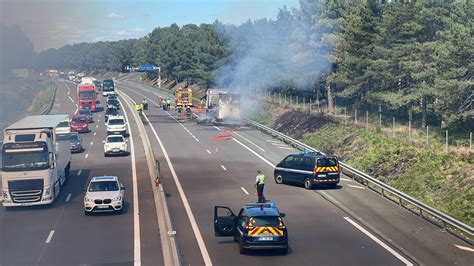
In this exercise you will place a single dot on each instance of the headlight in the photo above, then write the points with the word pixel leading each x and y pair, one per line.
pixel 47 192
pixel 86 199
pixel 117 198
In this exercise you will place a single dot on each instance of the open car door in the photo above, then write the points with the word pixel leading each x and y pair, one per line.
pixel 225 221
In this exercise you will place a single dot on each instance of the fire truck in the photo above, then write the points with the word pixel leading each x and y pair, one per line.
pixel 184 101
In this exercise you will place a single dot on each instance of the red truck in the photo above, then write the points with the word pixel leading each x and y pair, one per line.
pixel 86 97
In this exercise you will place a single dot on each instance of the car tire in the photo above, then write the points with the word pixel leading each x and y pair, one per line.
pixel 242 249
pixel 279 179
pixel 308 183
pixel 105 154
pixel 86 213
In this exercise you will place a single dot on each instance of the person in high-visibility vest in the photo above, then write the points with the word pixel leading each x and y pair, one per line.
pixel 259 185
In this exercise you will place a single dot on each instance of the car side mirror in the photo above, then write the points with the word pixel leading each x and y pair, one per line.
pixel 103 141
pixel 282 214
pixel 122 188
pixel 126 140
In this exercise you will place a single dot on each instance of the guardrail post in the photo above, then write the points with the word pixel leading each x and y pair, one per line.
pixel 400 201
pixel 355 116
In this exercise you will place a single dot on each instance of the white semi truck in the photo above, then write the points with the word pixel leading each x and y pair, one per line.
pixel 36 160
pixel 223 107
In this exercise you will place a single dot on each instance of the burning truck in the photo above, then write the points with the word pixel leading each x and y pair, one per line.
pixel 222 107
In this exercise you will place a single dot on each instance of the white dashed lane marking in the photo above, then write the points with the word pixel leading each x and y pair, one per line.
pixel 245 191
pixel 79 172
pixel 208 151
pixel 50 236
pixel 87 155
pixel 223 167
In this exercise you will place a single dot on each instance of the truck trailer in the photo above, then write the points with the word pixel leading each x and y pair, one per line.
pixel 36 160
pixel 223 107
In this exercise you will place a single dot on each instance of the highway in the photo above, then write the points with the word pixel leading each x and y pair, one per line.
pixel 200 169
pixel 61 234
pixel 347 225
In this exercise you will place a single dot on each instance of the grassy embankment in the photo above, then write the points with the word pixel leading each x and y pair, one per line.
pixel 443 181
pixel 43 96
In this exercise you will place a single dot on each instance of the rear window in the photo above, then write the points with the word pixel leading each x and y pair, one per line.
pixel 327 162
pixel 116 122
pixel 266 221
pixel 115 139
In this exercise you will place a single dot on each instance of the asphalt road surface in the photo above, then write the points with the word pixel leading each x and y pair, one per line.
pixel 61 234
pixel 347 225
pixel 200 169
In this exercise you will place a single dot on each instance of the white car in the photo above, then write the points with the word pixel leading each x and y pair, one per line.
pixel 116 126
pixel 115 144
pixel 104 194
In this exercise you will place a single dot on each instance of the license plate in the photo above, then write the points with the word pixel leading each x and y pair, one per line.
pixel 115 150
pixel 117 132
pixel 265 238
pixel 102 206
pixel 322 175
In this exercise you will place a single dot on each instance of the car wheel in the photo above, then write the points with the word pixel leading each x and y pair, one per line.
pixel 86 213
pixel 241 249
pixel 308 184
pixel 105 154
pixel 279 179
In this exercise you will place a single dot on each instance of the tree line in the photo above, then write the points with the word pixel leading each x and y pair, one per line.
pixel 411 57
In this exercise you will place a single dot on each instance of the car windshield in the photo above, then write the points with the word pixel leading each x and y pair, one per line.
pixel 327 162
pixel 116 122
pixel 74 137
pixel 103 186
pixel 266 221
pixel 79 120
pixel 86 95
pixel 84 112
pixel 115 139
pixel 111 111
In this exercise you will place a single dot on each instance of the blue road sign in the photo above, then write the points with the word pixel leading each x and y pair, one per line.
pixel 147 68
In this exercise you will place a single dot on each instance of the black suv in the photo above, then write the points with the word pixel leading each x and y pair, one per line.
pixel 308 169
pixel 258 226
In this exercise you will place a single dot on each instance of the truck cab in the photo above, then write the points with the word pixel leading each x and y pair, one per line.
pixel 36 159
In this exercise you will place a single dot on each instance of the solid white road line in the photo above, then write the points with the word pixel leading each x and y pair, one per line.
pixel 187 207
pixel 249 141
pixel 279 144
pixel 50 236
pixel 68 197
pixel 286 148
pixel 79 172
pixel 245 191
pixel 346 179
pixel 208 151
pixel 378 241
pixel 272 140
pixel 136 218
pixel 87 155
pixel 465 248
pixel 223 167
pixel 216 127
pixel 359 187
pixel 254 152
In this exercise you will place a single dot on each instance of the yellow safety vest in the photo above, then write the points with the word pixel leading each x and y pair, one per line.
pixel 261 179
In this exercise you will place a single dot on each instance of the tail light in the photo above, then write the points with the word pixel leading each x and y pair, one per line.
pixel 250 225
pixel 281 225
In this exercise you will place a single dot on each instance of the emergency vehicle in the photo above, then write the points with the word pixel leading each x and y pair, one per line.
pixel 184 101
pixel 308 169
pixel 257 226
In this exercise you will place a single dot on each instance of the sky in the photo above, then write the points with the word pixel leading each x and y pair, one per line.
pixel 54 23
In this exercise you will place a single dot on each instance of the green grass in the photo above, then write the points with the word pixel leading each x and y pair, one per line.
pixel 43 97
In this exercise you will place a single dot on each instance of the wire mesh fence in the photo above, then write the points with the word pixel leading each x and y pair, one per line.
pixel 428 136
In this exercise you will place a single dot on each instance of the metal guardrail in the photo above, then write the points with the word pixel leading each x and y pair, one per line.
pixel 48 107
pixel 445 219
